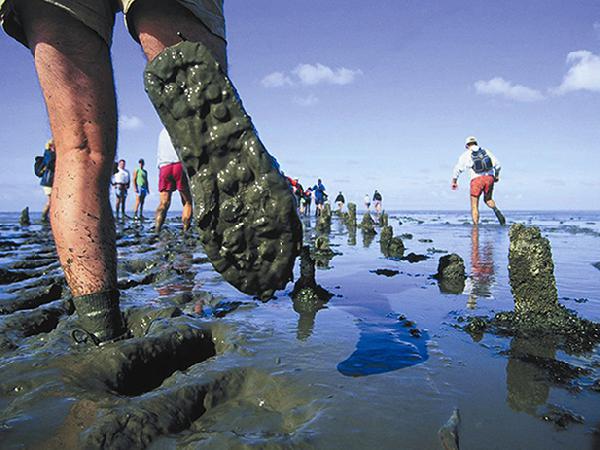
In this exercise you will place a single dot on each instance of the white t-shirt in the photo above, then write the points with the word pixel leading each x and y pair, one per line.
pixel 166 151
pixel 465 162
pixel 121 177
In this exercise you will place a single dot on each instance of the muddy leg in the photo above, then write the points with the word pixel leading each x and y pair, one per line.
pixel 74 70
pixel 163 208
pixel 186 214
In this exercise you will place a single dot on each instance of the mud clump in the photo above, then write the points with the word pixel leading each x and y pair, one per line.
pixel 24 220
pixel 391 246
pixel 531 272
pixel 451 274
pixel 306 290
pixel 351 217
pixel 247 215
pixel 324 220
pixel 414 258
pixel 537 312
pixel 383 220
pixel 322 252
pixel 368 224
pixel 448 433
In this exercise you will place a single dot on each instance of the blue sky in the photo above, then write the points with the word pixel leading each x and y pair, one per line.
pixel 373 95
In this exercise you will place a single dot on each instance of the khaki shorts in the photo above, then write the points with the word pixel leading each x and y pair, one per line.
pixel 99 15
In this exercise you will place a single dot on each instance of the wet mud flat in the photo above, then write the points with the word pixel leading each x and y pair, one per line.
pixel 382 363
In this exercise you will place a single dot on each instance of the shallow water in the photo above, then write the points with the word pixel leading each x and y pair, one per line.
pixel 348 375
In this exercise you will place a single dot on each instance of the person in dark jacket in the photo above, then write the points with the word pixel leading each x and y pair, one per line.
pixel 47 176
pixel 340 200
pixel 377 199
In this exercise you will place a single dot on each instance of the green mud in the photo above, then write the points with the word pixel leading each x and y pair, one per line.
pixel 24 220
pixel 368 224
pixel 242 203
pixel 537 312
pixel 451 274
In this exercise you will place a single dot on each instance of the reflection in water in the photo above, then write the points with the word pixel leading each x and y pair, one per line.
pixel 352 236
pixel 367 239
pixel 385 342
pixel 306 320
pixel 482 268
pixel 527 384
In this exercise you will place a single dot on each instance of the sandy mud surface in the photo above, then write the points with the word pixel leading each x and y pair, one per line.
pixel 382 362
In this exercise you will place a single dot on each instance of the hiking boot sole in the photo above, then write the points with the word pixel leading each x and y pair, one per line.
pixel 243 205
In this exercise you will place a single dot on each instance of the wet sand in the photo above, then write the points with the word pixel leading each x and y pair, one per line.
pixel 382 364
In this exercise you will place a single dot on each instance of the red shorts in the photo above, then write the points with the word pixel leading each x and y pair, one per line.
pixel 484 183
pixel 171 177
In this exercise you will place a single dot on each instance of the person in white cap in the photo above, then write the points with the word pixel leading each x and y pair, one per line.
pixel 485 170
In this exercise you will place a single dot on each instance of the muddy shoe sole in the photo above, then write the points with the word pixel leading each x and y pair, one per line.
pixel 243 205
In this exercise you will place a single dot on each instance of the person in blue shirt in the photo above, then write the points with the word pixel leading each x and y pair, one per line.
pixel 320 196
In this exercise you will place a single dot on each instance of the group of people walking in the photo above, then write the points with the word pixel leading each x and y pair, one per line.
pixel 171 178
pixel 319 194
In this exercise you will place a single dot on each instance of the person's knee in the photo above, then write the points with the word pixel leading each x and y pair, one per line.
pixel 44 22
pixel 156 23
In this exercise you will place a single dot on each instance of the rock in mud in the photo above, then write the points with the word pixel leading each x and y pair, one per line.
pixel 306 290
pixel 448 433
pixel 395 248
pixel 537 312
pixel 414 258
pixel 451 274
pixel 351 217
pixel 383 220
pixel 324 220
pixel 386 235
pixel 368 224
pixel 25 221
pixel 531 272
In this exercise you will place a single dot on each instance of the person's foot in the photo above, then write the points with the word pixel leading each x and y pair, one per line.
pixel 100 318
pixel 500 217
pixel 243 205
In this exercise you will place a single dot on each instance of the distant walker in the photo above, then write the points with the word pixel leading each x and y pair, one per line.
pixel 485 172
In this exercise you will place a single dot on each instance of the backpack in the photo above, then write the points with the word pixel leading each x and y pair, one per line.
pixel 38 166
pixel 481 161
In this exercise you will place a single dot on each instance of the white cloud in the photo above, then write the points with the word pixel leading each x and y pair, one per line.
pixel 309 100
pixel 499 86
pixel 310 75
pixel 130 122
pixel 584 73
pixel 276 79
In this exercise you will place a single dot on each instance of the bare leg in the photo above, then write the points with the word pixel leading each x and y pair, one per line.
pixel 161 211
pixel 492 204
pixel 158 21
pixel 475 209
pixel 46 210
pixel 186 215
pixel 142 199
pixel 137 206
pixel 123 205
pixel 75 74
pixel 117 206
